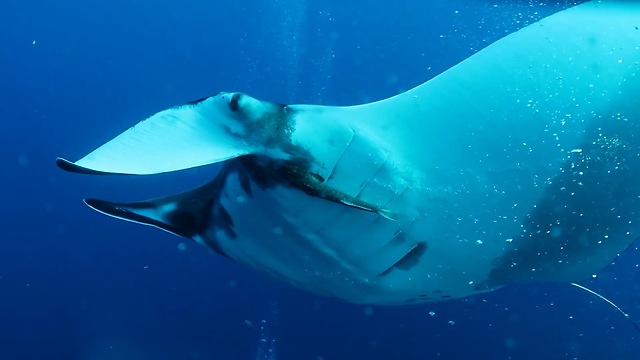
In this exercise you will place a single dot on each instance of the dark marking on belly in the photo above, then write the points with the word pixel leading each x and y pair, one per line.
pixel 317 178
pixel 584 213
pixel 223 220
pixel 267 173
pixel 245 182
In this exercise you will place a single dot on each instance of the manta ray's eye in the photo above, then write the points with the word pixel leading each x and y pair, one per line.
pixel 234 102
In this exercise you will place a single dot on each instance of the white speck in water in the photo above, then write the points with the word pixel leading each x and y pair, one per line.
pixel 432 313
pixel 451 322
pixel 479 242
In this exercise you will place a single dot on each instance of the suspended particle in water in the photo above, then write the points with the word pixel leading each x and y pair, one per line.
pixel 368 311
pixel 23 160
pixel 182 246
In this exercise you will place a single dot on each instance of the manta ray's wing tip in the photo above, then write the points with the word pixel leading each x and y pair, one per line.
pixel 70 166
pixel 98 205
pixel 112 209
pixel 117 210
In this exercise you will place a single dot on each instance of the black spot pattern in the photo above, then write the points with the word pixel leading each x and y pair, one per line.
pixel 594 196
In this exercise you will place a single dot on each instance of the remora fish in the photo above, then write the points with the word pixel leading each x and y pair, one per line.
pixel 521 163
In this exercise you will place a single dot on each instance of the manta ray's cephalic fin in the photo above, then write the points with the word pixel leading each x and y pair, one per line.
pixel 189 214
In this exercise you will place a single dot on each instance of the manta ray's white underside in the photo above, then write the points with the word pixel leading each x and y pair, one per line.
pixel 518 164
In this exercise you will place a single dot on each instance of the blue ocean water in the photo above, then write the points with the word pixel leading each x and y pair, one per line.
pixel 77 285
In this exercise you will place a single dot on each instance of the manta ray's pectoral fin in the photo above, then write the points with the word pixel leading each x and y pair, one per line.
pixel 198 133
pixel 70 166
pixel 189 214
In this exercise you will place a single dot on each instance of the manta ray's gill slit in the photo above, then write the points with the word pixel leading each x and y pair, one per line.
pixel 409 260
pixel 245 181
pixel 331 172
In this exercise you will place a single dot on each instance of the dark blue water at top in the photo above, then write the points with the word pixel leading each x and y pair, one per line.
pixel 77 285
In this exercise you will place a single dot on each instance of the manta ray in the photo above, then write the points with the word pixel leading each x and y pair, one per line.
pixel 521 163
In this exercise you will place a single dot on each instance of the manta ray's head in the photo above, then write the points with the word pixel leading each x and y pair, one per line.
pixel 257 123
pixel 201 132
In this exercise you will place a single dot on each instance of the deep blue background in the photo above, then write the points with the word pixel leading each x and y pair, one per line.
pixel 77 285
